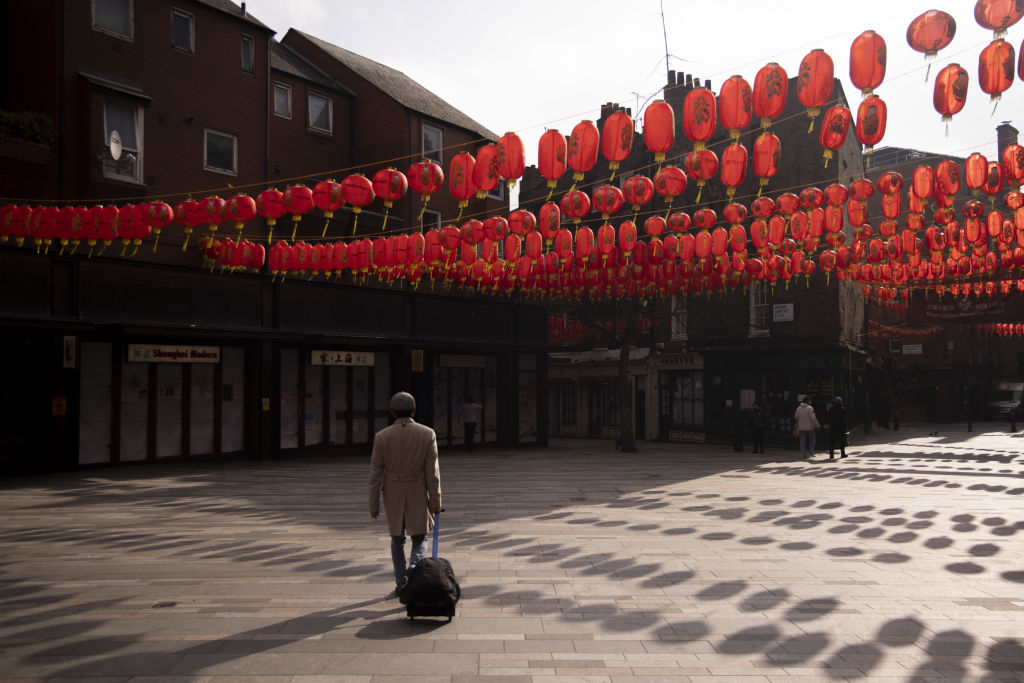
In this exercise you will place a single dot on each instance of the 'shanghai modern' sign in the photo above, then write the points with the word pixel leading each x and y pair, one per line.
pixel 172 353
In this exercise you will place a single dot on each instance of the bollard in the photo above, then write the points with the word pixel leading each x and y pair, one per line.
pixel 1013 421
pixel 970 427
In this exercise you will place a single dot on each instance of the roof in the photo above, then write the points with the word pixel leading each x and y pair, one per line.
pixel 288 61
pixel 228 7
pixel 400 87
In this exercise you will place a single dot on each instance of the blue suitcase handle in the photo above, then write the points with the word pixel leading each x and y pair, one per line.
pixel 433 552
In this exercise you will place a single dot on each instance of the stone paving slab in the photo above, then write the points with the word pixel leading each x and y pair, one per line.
pixel 578 563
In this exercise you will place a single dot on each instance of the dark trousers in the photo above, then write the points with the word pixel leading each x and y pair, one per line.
pixel 470 428
pixel 836 439
pixel 758 441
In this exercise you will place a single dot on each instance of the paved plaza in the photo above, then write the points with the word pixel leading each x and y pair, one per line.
pixel 903 562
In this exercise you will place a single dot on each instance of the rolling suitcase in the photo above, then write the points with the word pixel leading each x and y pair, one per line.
pixel 431 589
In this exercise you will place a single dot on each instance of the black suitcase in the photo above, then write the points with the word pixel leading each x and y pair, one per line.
pixel 431 589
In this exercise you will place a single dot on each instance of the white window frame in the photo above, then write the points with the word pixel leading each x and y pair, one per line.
pixel 287 89
pixel 427 152
pixel 137 151
pixel 191 50
pixel 760 309
pixel 679 308
pixel 498 192
pixel 330 113
pixel 252 53
pixel 131 22
pixel 431 219
pixel 206 163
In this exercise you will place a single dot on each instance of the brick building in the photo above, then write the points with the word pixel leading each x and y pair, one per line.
pixel 716 353
pixel 936 364
pixel 146 355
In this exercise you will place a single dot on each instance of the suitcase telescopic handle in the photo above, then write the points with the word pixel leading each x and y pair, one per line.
pixel 437 516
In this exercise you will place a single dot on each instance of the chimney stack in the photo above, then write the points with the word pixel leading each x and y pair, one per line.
pixel 1006 135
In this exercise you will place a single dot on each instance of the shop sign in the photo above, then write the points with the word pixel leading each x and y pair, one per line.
pixel 913 349
pixel 321 357
pixel 171 353
pixel 782 313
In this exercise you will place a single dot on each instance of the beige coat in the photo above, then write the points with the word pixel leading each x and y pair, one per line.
pixel 404 468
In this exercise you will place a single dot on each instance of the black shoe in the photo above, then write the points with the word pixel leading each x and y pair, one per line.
pixel 842 456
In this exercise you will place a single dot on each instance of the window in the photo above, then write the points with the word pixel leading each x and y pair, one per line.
pixel 498 192
pixel 682 400
pixel 182 33
pixel 248 54
pixel 320 117
pixel 113 16
pixel 221 153
pixel 432 144
pixel 283 100
pixel 678 331
pixel 760 309
pixel 126 119
pixel 895 346
pixel 431 220
pixel 568 392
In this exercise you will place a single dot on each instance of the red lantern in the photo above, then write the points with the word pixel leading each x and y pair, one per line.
pixel 701 165
pixel 867 61
pixel 214 211
pixel 389 184
pixel 583 146
pixel 326 196
pixel 608 199
pixel 699 116
pixel 669 182
pixel 551 216
pixel 240 208
pixel 495 228
pixel 735 105
pixel 485 175
pixel 1012 164
pixel 617 139
pixel 734 168
pixel 833 130
pixel 923 182
pixel 510 155
pixel 425 178
pixel 638 190
pixel 575 204
pixel 767 153
pixel 522 222
pixel 950 91
pixel 890 182
pixel 679 222
pixel 871 119
pixel 998 15
pixel 551 155
pixel 627 237
pixel 815 82
pixel 763 207
pixel 660 129
pixel 975 170
pixel 771 87
pixel 460 179
pixel 189 215
pixel 357 191
pixel 930 32
pixel 995 68
pixel 861 189
pixel 705 218
pixel 993 180
pixel 298 201
pixel 947 177
pixel 655 226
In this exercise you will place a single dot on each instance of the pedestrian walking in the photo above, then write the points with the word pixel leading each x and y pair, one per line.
pixel 470 416
pixel 837 428
pixel 806 423
pixel 404 471
pixel 758 425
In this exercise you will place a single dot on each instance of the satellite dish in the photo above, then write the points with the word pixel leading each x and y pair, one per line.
pixel 115 145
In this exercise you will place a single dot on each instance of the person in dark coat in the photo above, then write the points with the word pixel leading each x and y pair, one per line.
pixel 758 423
pixel 837 428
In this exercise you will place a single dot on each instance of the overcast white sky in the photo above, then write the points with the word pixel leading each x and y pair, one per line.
pixel 527 65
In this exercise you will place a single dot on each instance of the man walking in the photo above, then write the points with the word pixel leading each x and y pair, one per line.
pixel 806 423
pixel 470 416
pixel 404 471
pixel 837 428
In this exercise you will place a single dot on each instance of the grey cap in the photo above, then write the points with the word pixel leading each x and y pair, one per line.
pixel 402 401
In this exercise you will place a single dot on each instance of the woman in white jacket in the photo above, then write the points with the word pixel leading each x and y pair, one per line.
pixel 806 423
